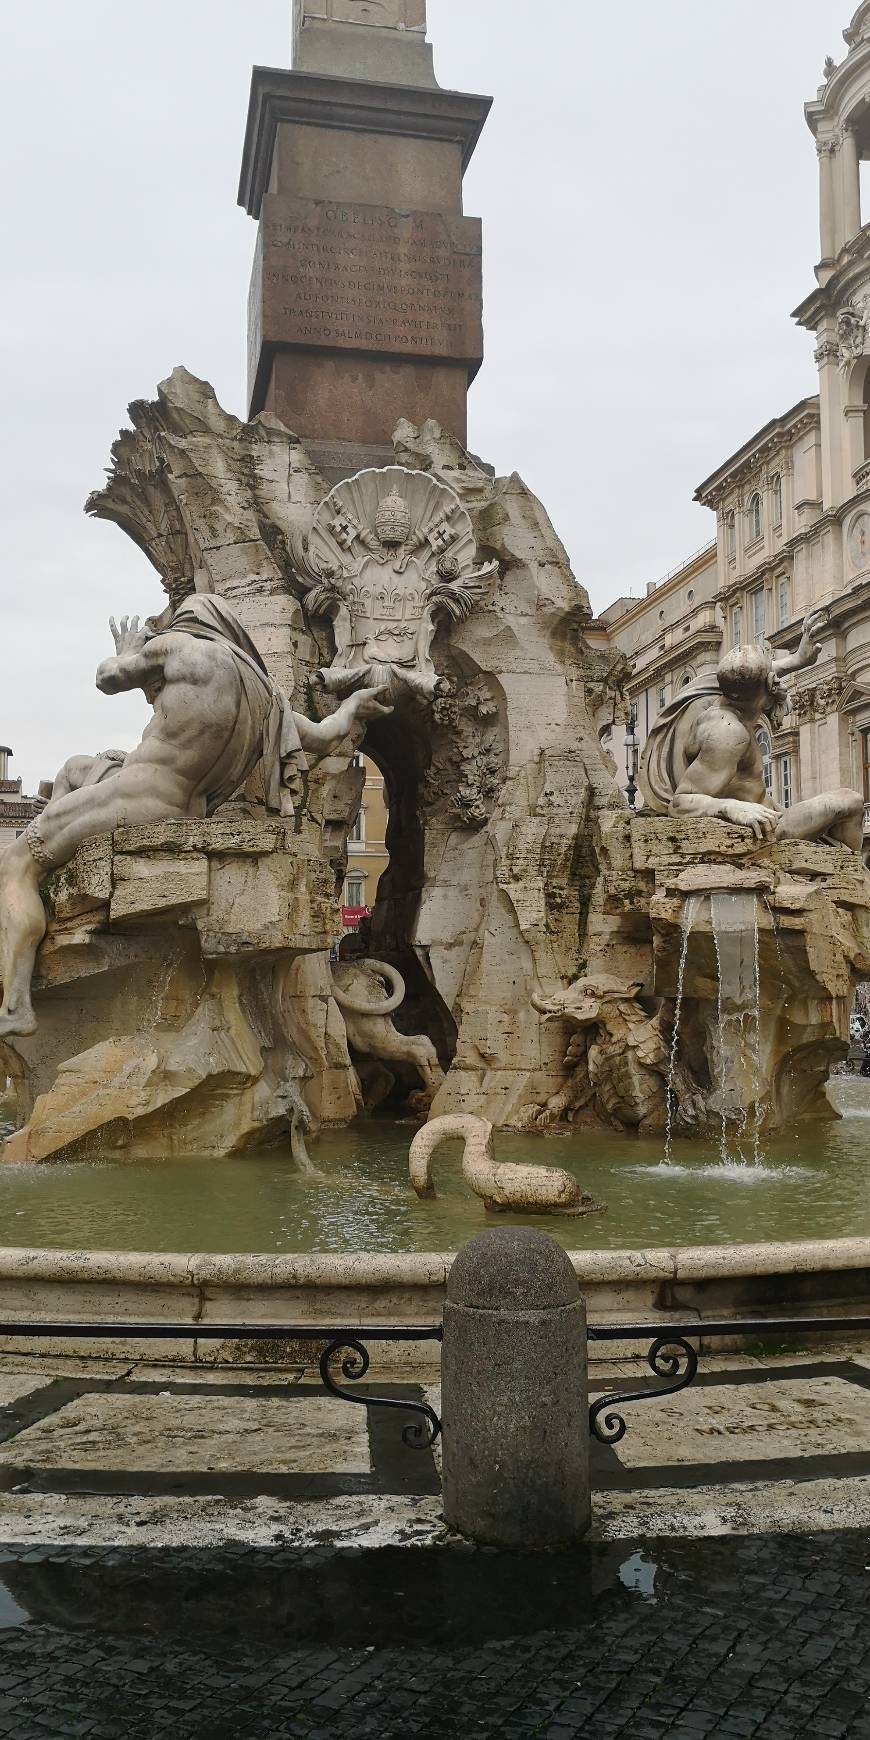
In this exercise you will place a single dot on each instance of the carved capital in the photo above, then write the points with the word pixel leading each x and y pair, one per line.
pixel 827 351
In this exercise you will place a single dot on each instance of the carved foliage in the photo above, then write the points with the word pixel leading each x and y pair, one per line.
pixel 467 766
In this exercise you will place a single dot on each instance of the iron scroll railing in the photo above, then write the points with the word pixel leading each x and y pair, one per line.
pixel 348 1344
pixel 673 1354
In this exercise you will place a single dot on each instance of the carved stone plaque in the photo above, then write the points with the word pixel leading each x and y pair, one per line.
pixel 393 14
pixel 367 278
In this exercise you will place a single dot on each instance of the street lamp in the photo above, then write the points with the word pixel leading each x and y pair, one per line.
pixel 631 754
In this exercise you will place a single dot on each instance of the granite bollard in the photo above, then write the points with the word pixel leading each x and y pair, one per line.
pixel 515 1394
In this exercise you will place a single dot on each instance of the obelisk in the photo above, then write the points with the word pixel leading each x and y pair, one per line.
pixel 366 296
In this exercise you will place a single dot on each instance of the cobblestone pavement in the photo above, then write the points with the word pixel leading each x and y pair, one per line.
pixel 729 1638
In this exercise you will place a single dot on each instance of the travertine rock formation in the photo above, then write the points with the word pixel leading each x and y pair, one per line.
pixel 491 789
pixel 184 991
pixel 183 1001
pixel 689 907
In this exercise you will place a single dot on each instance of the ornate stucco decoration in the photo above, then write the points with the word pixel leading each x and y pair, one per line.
pixel 389 552
pixel 852 331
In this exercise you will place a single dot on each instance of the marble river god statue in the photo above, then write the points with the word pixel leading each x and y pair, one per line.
pixel 217 716
pixel 702 757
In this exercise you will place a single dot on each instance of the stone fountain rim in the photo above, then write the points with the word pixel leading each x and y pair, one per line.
pixel 418 1269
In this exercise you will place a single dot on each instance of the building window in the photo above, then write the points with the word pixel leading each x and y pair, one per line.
pixel 865 759
pixel 731 535
pixel 762 738
pixel 756 614
pixel 354 891
pixel 776 493
pixel 785 781
pixel 737 625
pixel 690 594
pixel 867 415
pixel 357 834
pixel 756 518
pixel 663 698
pixel 783 601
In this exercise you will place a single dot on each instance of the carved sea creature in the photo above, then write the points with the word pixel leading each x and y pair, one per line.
pixel 359 990
pixel 619 1060
pixel 503 1187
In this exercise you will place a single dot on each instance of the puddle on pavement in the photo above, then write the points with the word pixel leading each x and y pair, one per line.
pixel 11 1615
pixel 639 1573
pixel 453 1597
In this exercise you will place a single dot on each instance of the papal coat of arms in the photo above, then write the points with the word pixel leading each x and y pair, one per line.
pixel 389 551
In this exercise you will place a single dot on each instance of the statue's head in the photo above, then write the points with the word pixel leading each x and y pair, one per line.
pixel 178 587
pixel 747 679
pixel 393 522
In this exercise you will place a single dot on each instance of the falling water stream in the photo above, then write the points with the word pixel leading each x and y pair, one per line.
pixel 734 921
pixel 688 919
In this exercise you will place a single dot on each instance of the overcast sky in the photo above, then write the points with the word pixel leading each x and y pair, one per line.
pixel 648 189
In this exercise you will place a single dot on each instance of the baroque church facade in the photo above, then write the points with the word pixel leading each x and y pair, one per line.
pixel 792 505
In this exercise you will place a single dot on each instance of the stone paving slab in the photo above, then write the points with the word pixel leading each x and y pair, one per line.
pixel 14 1386
pixel 204 1433
pixel 762 1421
pixel 779 1445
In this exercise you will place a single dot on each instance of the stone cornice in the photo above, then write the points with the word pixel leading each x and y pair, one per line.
pixel 312 100
pixel 683 653
pixel 760 449
pixel 838 100
pixel 849 272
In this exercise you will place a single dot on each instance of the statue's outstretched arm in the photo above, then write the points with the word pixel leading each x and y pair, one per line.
pixel 808 650
pixel 319 737
pixel 710 775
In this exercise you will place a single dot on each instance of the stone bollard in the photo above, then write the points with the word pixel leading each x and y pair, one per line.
pixel 514 1397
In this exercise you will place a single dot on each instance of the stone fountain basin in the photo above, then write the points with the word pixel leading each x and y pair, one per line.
pixel 813 1278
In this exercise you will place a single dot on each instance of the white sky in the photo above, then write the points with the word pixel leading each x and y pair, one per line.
pixel 648 189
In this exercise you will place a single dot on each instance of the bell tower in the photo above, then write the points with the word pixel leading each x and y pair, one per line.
pixel 366 300
pixel 838 311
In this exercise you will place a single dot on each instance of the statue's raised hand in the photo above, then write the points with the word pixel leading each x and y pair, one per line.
pixel 810 648
pixel 128 636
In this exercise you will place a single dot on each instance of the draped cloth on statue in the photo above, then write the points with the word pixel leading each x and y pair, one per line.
pixel 266 730
pixel 665 758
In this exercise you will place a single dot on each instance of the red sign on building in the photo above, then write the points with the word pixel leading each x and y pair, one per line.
pixel 352 916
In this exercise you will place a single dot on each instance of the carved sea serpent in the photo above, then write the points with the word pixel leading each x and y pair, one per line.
pixel 526 1189
pixel 355 1005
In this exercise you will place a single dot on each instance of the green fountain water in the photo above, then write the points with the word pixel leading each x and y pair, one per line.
pixel 813 1182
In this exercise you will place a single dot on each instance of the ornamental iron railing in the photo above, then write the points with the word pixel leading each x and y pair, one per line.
pixel 348 1344
pixel 674 1354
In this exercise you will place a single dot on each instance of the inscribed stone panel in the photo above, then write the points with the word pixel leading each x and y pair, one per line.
pixel 392 14
pixel 364 277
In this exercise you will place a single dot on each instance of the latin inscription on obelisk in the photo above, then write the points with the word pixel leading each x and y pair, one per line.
pixel 392 14
pixel 355 277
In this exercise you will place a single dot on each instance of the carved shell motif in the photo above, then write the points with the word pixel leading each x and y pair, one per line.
pixel 377 510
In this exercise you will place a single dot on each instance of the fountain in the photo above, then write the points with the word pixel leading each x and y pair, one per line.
pixel 536 956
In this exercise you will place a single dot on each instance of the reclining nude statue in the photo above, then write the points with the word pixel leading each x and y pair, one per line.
pixel 217 716
pixel 702 757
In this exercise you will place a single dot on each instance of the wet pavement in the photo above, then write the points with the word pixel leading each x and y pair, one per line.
pixel 729 1638
pixel 235 1554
